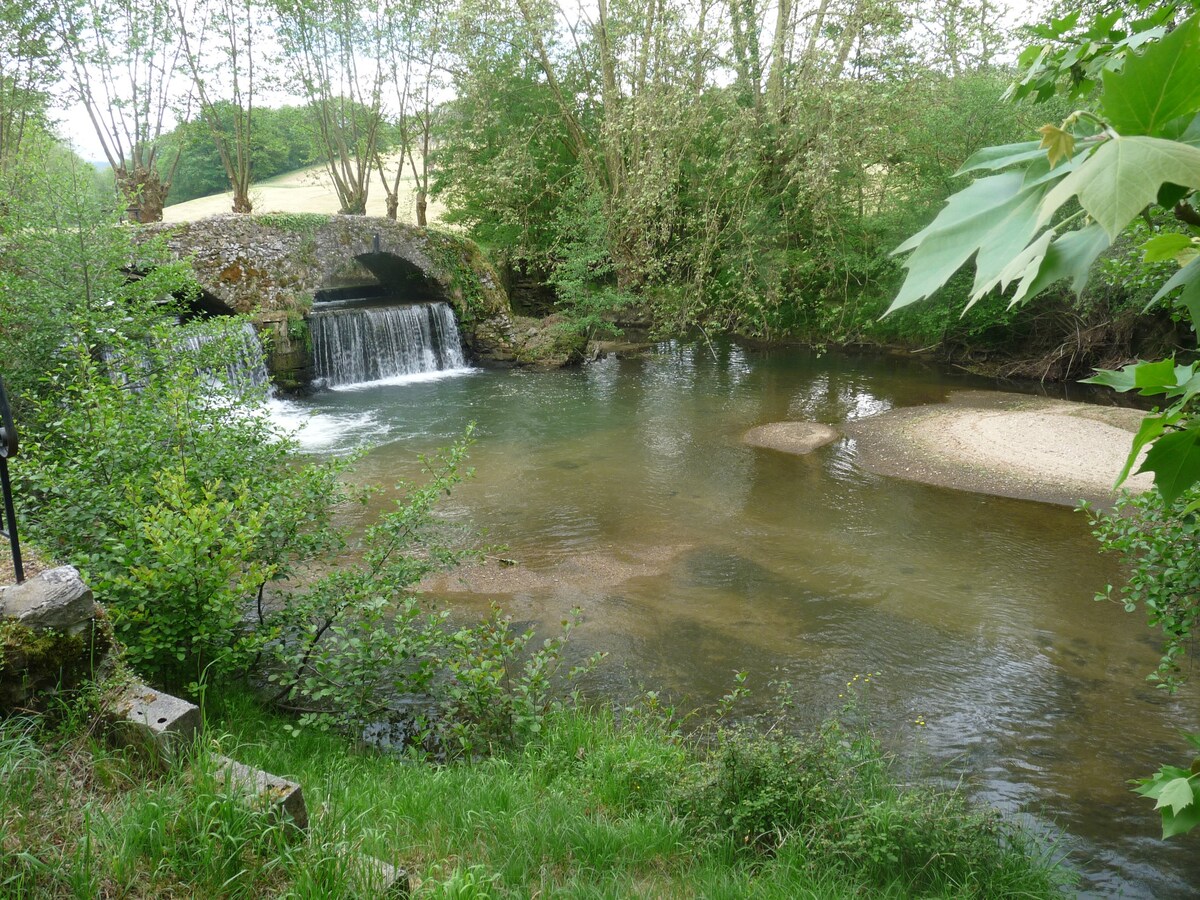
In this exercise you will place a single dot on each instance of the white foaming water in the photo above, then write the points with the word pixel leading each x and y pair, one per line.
pixel 322 432
pixel 414 378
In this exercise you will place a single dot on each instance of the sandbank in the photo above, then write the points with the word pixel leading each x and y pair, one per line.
pixel 1011 445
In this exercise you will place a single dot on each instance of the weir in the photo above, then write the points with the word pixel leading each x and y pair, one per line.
pixel 352 345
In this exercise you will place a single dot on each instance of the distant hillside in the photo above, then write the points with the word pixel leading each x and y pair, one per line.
pixel 305 190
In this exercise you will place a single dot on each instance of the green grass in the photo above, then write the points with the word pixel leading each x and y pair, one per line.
pixel 592 809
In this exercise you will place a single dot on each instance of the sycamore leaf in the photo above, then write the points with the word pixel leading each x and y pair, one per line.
pixel 995 217
pixel 1070 256
pixel 1122 177
pixel 1189 279
pixel 986 192
pixel 1150 429
pixel 1181 822
pixel 1152 786
pixel 1159 85
pixel 1176 794
pixel 1012 228
pixel 1191 133
pixel 1148 377
pixel 1164 247
pixel 1024 265
pixel 992 158
pixel 1175 461
pixel 1057 143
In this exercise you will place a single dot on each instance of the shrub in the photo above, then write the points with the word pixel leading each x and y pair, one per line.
pixel 1160 544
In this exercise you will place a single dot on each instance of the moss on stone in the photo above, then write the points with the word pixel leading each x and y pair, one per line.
pixel 37 664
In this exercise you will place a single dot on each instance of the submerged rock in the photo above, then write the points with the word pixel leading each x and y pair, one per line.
pixel 791 437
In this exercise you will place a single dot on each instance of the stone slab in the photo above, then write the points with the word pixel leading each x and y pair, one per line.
pixel 56 599
pixel 154 720
pixel 280 795
pixel 375 878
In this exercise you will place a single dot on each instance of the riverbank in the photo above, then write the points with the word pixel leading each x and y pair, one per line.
pixel 592 806
pixel 1011 445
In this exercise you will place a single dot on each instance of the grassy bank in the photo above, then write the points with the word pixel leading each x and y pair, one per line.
pixel 592 808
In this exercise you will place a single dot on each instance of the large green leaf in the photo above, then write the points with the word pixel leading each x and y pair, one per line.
pixel 1175 461
pixel 1189 279
pixel 1070 256
pixel 1122 177
pixel 1185 129
pixel 1151 428
pixel 995 216
pixel 1147 377
pixel 1012 228
pixel 1024 265
pixel 1176 794
pixel 1164 246
pixel 1181 822
pixel 1159 85
pixel 992 158
pixel 982 194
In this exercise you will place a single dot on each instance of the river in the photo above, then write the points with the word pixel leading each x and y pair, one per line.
pixel 623 488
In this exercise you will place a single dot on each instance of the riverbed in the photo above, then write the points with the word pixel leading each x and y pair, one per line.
pixel 624 489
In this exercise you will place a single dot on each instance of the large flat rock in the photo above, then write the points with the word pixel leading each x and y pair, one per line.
pixel 791 437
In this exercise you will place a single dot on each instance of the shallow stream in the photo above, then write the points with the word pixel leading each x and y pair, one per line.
pixel 624 488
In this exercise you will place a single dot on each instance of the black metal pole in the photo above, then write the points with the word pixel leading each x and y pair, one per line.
pixel 10 520
pixel 8 447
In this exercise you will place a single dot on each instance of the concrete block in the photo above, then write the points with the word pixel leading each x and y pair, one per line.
pixel 375 878
pixel 55 599
pixel 154 720
pixel 277 794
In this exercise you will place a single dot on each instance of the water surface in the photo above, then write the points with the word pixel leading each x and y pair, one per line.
pixel 624 488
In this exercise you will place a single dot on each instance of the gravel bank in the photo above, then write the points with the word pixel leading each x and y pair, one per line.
pixel 1011 445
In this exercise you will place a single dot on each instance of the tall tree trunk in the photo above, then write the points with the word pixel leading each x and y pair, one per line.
pixel 144 193
pixel 778 57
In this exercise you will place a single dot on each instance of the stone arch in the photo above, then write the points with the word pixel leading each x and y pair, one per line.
pixel 399 260
pixel 385 276
pixel 271 267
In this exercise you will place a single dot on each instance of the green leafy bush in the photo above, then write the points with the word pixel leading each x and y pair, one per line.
pixel 1159 543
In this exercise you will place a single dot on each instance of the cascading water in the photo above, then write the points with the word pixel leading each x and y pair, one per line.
pixel 224 356
pixel 242 368
pixel 370 344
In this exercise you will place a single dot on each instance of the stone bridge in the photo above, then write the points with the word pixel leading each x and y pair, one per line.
pixel 272 267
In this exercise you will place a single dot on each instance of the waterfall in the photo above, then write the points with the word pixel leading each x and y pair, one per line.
pixel 241 368
pixel 356 345
pixel 222 356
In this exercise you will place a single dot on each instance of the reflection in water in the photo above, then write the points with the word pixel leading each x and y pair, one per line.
pixel 624 488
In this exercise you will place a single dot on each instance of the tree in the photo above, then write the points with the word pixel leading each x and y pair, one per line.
pixel 335 49
pixel 730 165
pixel 28 69
pixel 417 43
pixel 227 82
pixel 123 60
pixel 1043 212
